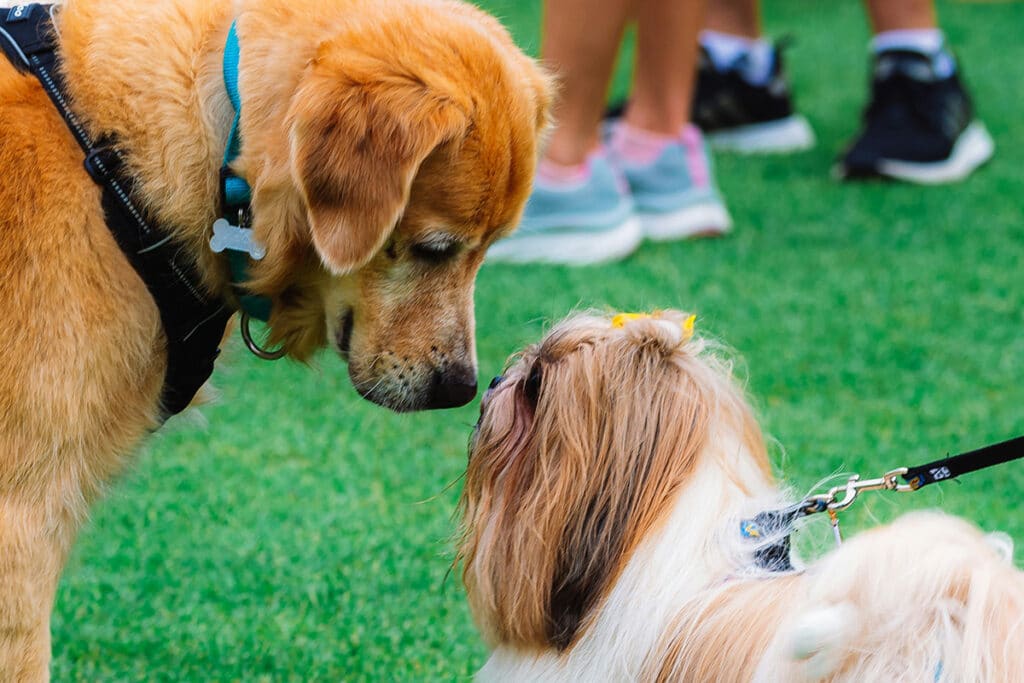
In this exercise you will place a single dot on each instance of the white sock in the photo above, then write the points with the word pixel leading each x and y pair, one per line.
pixel 926 41
pixel 725 49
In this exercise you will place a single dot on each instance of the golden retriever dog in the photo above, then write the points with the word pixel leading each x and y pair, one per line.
pixel 387 144
pixel 607 481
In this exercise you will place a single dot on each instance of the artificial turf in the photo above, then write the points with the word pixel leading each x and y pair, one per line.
pixel 300 533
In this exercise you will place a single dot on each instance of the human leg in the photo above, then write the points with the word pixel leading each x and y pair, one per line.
pixel 580 42
pixel 579 212
pixel 896 15
pixel 666 61
pixel 663 157
pixel 740 18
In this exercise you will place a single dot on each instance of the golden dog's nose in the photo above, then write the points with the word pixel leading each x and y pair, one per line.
pixel 453 387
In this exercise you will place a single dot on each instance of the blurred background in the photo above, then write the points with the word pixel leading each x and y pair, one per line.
pixel 295 532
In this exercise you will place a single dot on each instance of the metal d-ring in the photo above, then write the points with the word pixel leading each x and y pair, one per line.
pixel 256 349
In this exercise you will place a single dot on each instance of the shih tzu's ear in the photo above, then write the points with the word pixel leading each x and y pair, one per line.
pixel 498 455
pixel 532 384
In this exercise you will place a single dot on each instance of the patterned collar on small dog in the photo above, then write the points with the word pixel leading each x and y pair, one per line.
pixel 771 532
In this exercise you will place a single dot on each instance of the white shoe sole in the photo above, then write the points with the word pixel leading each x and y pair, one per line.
pixel 791 134
pixel 972 149
pixel 572 249
pixel 700 220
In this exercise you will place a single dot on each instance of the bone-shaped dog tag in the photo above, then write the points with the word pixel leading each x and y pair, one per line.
pixel 227 236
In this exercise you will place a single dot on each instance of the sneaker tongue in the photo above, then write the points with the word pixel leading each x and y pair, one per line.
pixel 913 65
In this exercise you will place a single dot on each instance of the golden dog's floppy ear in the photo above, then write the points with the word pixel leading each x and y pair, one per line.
pixel 360 129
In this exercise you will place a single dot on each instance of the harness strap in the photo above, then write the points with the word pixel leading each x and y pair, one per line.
pixel 965 463
pixel 193 322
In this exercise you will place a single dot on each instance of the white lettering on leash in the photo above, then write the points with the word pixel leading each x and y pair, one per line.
pixel 940 473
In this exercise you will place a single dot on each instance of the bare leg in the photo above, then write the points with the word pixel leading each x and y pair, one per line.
pixel 581 41
pixel 666 64
pixel 737 17
pixel 894 15
pixel 665 67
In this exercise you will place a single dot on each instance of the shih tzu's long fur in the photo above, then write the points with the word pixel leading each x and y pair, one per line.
pixel 601 542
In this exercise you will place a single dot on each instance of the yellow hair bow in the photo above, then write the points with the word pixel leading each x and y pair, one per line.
pixel 620 320
pixel 688 326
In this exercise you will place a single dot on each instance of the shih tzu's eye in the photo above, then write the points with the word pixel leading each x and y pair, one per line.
pixel 487 395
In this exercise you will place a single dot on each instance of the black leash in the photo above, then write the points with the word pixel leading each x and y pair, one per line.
pixel 954 466
pixel 193 321
pixel 774 555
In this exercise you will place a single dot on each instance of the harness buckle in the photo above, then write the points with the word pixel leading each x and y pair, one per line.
pixel 100 163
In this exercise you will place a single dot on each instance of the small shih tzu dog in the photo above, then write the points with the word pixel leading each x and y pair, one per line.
pixel 608 478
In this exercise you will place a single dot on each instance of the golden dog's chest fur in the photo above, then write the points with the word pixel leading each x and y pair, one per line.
pixel 382 163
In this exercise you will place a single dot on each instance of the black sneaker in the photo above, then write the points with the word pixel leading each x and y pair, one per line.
pixel 739 116
pixel 918 127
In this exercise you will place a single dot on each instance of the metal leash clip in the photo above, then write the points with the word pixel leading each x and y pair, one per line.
pixel 854 485
pixel 832 503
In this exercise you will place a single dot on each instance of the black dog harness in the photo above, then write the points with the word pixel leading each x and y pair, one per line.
pixel 193 321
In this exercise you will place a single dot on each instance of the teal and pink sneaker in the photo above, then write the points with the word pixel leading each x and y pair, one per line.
pixel 575 216
pixel 671 182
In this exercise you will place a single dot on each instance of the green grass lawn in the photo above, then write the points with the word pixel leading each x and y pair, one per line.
pixel 298 533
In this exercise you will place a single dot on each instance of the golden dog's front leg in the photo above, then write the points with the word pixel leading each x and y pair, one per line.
pixel 31 557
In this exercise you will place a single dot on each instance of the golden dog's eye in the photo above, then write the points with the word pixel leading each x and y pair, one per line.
pixel 436 250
